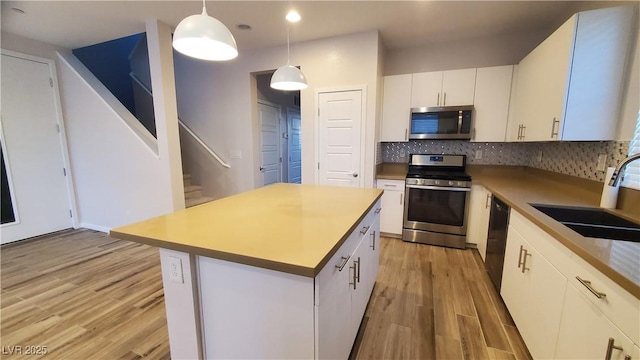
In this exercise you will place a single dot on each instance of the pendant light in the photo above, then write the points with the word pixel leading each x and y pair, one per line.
pixel 204 37
pixel 288 77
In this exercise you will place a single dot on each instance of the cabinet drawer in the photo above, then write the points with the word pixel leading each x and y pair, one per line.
pixel 397 185
pixel 617 304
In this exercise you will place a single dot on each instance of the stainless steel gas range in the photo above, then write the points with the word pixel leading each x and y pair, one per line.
pixel 437 200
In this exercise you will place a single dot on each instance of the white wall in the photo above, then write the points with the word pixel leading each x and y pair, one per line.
pixel 217 100
pixel 25 45
pixel 118 178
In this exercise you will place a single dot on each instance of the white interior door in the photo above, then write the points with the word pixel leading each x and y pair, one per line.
pixel 269 143
pixel 295 147
pixel 340 123
pixel 34 155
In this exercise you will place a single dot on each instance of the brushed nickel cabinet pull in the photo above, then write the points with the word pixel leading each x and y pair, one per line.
pixel 587 284
pixel 444 101
pixel 524 132
pixel 343 262
pixel 524 261
pixel 610 346
pixel 487 203
pixel 627 357
pixel 553 127
pixel 358 268
pixel 364 230
pixel 520 257
pixel 373 241
pixel 401 198
pixel 354 275
pixel 378 210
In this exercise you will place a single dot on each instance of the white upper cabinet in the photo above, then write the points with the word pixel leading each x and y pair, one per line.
pixel 491 102
pixel 443 88
pixel 569 87
pixel 396 108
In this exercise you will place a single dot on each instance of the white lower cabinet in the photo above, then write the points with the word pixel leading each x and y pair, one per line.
pixel 256 313
pixel 344 288
pixel 558 316
pixel 479 212
pixel 533 291
pixel 392 206
pixel 585 332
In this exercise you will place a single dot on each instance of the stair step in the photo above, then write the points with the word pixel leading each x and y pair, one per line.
pixel 192 191
pixel 197 201
pixel 186 180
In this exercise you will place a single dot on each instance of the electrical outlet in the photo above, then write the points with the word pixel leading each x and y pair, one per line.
pixel 403 153
pixel 540 156
pixel 175 269
pixel 602 162
pixel 478 155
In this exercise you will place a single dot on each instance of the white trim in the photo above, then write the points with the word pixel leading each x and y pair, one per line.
pixel 62 137
pixel 259 144
pixel 363 127
pixel 103 229
pixel 7 166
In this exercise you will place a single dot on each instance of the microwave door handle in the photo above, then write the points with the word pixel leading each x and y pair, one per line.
pixel 459 122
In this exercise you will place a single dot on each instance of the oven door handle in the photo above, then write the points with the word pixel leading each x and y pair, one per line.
pixel 440 188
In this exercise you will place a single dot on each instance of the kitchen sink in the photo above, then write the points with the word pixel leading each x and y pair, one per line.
pixel 593 222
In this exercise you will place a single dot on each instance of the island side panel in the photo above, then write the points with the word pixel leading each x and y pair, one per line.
pixel 255 313
pixel 182 305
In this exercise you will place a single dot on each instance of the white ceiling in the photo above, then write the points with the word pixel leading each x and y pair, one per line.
pixel 402 24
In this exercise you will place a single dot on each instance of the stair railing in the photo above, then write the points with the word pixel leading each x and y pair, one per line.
pixel 185 127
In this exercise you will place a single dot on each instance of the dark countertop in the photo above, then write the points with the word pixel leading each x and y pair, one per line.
pixel 518 186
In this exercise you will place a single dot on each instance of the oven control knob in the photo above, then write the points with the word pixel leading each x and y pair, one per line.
pixel 450 183
pixel 437 182
pixel 460 183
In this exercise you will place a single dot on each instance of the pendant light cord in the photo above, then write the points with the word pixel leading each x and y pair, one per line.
pixel 288 53
pixel 204 8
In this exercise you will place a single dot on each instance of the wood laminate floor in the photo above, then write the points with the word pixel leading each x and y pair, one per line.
pixel 84 295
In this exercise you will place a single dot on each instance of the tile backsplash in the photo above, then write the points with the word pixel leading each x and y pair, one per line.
pixel 570 158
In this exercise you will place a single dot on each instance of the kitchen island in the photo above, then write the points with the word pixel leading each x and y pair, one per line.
pixel 284 271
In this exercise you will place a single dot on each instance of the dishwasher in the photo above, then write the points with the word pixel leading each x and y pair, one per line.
pixel 496 240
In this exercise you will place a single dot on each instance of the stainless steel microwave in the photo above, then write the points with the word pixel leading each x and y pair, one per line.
pixel 444 122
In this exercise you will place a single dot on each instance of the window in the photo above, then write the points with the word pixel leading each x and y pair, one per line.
pixel 632 172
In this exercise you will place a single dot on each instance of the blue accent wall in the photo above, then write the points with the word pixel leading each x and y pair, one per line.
pixel 109 62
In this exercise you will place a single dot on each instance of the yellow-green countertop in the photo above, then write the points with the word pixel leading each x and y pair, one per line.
pixel 520 186
pixel 283 227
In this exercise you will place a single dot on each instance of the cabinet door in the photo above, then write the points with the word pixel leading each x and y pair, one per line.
pixel 426 89
pixel 585 332
pixel 479 211
pixel 491 102
pixel 396 108
pixel 458 87
pixel 543 77
pixel 534 296
pixel 333 304
pixel 392 206
pixel 357 277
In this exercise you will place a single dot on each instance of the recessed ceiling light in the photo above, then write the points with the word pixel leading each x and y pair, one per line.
pixel 243 27
pixel 18 10
pixel 293 16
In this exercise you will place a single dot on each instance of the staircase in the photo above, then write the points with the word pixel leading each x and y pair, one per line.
pixel 193 193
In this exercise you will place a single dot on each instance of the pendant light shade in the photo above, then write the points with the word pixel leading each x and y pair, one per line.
pixel 288 78
pixel 204 37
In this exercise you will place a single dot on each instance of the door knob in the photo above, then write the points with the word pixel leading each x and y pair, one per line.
pixel 355 175
pixel 261 168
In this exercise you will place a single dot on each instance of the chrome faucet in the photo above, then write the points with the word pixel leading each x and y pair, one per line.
pixel 614 178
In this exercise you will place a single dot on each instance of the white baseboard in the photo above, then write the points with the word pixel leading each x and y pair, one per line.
pixel 95 227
